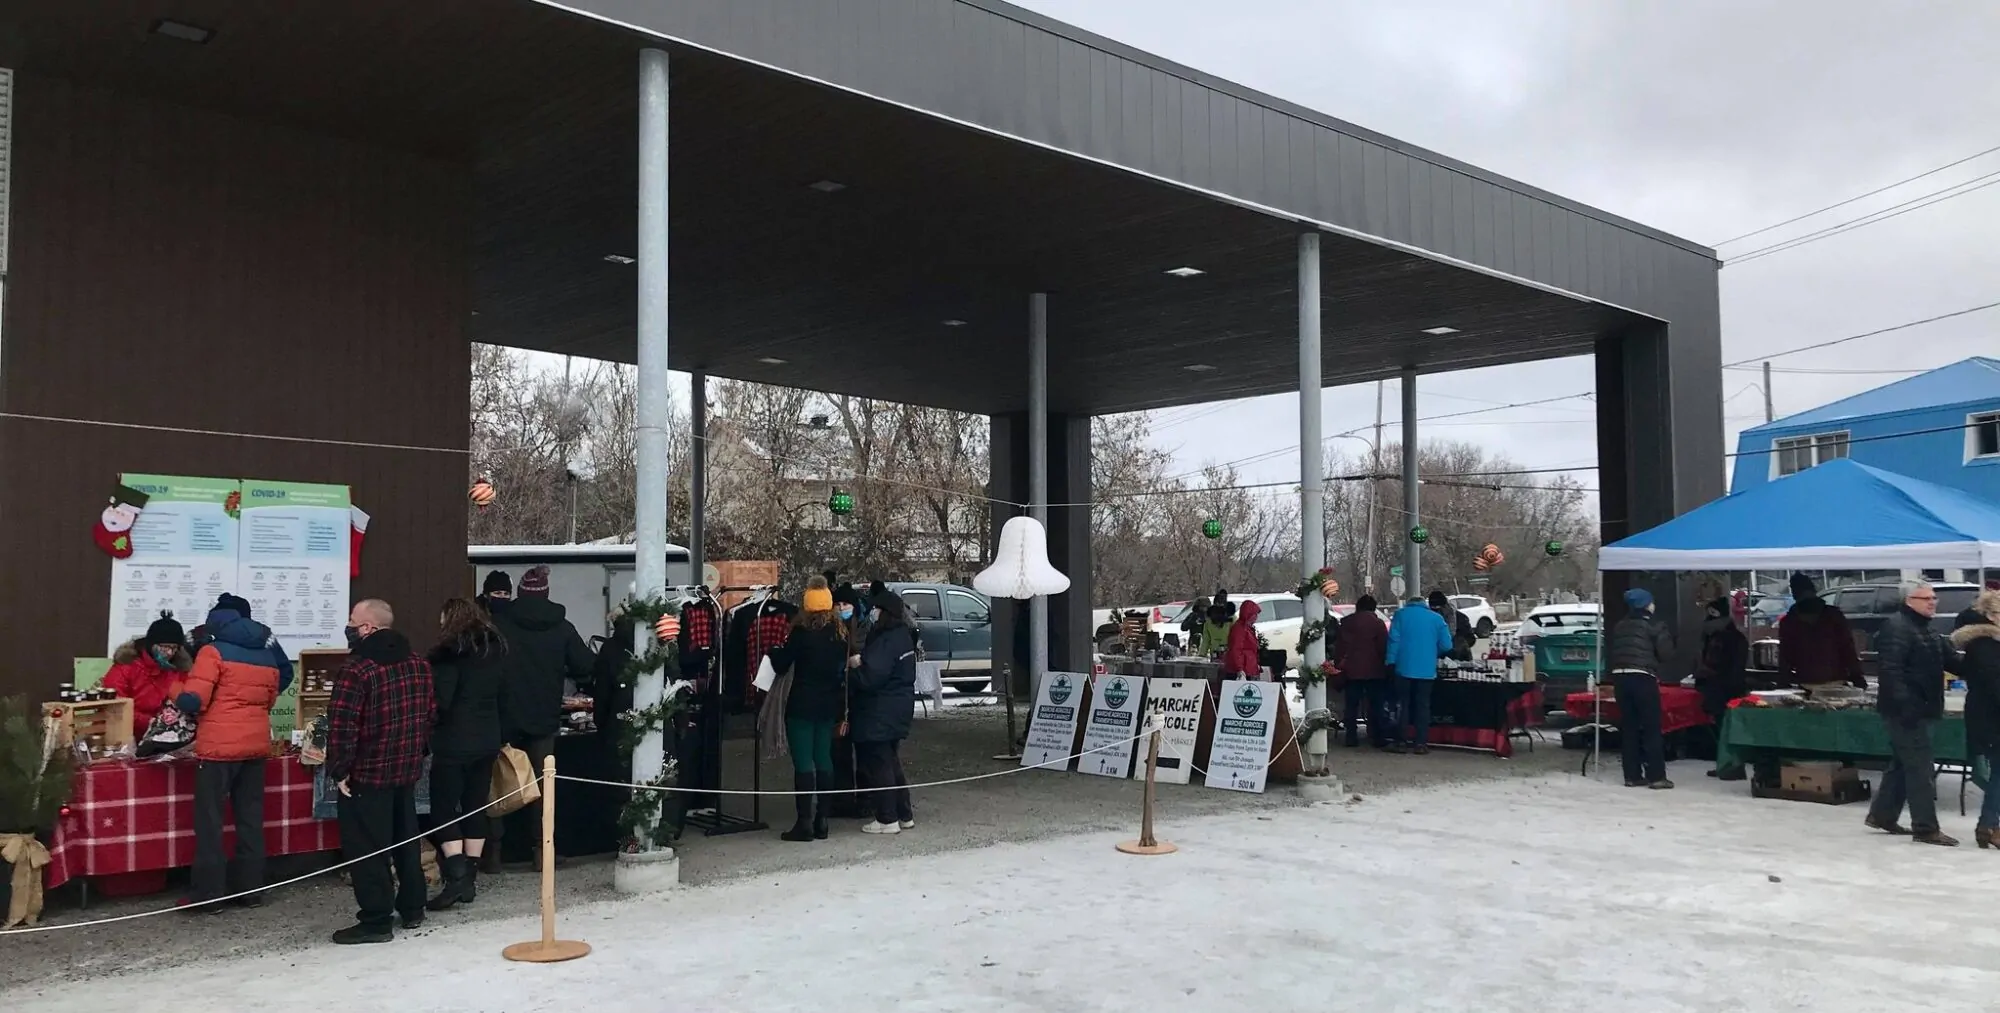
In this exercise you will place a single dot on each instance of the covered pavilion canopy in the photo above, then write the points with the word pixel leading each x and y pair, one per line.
pixel 1839 515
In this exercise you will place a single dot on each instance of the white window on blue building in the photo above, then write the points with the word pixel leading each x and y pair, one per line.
pixel 1982 436
pixel 1795 454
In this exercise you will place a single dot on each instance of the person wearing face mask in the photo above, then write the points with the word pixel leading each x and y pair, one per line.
pixel 379 725
pixel 816 653
pixel 1639 649
pixel 148 671
pixel 882 683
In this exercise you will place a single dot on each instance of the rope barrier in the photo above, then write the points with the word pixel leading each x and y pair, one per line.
pixel 295 879
pixel 1064 761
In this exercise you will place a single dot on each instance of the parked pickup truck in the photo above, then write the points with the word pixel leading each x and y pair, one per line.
pixel 956 626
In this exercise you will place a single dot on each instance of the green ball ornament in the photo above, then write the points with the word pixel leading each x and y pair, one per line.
pixel 1420 534
pixel 841 502
pixel 1553 548
pixel 1211 528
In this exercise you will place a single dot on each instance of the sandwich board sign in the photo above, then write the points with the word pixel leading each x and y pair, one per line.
pixel 1178 704
pixel 1246 721
pixel 1115 709
pixel 1052 726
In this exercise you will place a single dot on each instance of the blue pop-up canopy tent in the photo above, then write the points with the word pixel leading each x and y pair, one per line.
pixel 1839 515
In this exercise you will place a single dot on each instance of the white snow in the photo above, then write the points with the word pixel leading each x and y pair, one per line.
pixel 1501 896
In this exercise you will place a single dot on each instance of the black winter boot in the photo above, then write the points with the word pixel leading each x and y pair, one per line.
pixel 822 804
pixel 468 891
pixel 802 827
pixel 454 873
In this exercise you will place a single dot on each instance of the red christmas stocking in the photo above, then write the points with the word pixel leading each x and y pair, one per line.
pixel 357 531
pixel 113 532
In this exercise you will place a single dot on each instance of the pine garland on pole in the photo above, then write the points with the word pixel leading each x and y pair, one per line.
pixel 647 808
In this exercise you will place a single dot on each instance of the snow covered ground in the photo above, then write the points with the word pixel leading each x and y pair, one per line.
pixel 1528 895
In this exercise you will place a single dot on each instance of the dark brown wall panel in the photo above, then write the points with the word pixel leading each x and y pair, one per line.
pixel 179 268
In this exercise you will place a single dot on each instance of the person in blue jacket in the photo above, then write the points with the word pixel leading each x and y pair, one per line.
pixel 1418 637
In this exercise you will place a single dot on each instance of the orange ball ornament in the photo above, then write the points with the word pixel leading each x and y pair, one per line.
pixel 482 493
pixel 1330 588
pixel 668 627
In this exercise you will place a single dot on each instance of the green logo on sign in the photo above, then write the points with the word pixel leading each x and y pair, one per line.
pixel 1060 690
pixel 1116 693
pixel 1250 700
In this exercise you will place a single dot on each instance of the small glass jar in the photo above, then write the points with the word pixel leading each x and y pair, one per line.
pixel 66 692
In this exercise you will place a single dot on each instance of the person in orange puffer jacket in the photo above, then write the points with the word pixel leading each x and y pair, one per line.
pixel 237 676
pixel 1239 661
pixel 148 671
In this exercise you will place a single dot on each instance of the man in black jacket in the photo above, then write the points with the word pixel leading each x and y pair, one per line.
pixel 543 650
pixel 1639 651
pixel 1909 685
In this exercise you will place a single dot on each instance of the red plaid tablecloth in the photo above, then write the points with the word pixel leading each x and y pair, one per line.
pixel 134 816
pixel 1680 708
pixel 1474 714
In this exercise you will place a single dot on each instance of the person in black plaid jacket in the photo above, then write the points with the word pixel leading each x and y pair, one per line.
pixel 378 730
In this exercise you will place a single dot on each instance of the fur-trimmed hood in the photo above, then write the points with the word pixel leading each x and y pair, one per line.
pixel 1965 635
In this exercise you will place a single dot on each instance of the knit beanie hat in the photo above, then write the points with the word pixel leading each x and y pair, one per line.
pixel 1802 586
pixel 535 583
pixel 232 603
pixel 163 631
pixel 1638 599
pixel 497 582
pixel 818 598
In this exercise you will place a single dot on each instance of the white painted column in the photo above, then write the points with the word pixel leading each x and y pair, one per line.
pixel 1312 480
pixel 650 521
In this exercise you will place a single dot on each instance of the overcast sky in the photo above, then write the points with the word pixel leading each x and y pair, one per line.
pixel 1705 118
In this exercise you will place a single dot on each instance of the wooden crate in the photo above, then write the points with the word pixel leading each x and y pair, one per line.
pixel 317 669
pixel 108 720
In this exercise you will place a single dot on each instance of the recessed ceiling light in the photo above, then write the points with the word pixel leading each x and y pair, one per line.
pixel 619 258
pixel 182 31
pixel 1440 330
pixel 954 323
pixel 827 186
pixel 771 360
pixel 1200 367
pixel 1186 272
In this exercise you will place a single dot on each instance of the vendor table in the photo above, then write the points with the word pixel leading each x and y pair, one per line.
pixel 1766 734
pixel 138 816
pixel 1680 709
pixel 1479 714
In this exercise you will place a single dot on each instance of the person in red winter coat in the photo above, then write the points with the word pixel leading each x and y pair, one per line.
pixel 1239 660
pixel 148 671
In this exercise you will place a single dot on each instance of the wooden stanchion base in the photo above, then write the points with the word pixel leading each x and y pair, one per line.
pixel 1157 848
pixel 553 951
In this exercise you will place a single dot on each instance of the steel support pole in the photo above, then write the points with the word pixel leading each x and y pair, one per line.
pixel 698 477
pixel 1413 554
pixel 1312 482
pixel 649 535
pixel 1038 473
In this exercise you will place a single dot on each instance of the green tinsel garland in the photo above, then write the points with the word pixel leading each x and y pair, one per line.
pixel 647 808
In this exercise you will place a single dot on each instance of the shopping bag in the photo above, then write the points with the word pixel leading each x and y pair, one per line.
pixel 767 674
pixel 512 770
pixel 169 731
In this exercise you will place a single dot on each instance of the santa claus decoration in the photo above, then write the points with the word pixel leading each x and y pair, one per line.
pixel 113 532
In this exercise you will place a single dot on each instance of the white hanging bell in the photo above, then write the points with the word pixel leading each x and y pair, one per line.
pixel 1021 567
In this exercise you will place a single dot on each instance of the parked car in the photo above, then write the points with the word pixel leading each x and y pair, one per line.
pixel 1477 611
pixel 1544 619
pixel 1280 617
pixel 1867 606
pixel 956 626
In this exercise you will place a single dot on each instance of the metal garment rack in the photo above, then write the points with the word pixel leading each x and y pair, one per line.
pixel 714 822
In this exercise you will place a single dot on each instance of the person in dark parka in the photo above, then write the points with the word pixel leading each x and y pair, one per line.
pixel 1639 651
pixel 882 688
pixel 1909 694
pixel 544 650
pixel 1978 637
pixel 1725 660
pixel 467 667
pixel 1360 652
pixel 816 653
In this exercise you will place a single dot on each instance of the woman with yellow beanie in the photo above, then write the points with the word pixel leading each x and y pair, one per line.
pixel 816 652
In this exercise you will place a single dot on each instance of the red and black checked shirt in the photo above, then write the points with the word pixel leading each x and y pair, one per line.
pixel 698 625
pixel 379 719
pixel 767 633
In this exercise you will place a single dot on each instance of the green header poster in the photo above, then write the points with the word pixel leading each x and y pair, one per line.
pixel 183 554
pixel 292 566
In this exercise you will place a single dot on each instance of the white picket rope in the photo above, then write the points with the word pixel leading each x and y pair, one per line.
pixel 23 930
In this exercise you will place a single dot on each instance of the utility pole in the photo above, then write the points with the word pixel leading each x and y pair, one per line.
pixel 1767 392
pixel 1374 489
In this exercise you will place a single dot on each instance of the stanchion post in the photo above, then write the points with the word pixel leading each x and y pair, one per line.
pixel 1007 698
pixel 548 949
pixel 1147 844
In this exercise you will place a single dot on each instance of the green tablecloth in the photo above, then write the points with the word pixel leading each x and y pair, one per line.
pixel 1751 734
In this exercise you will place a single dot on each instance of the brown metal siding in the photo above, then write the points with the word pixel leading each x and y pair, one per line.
pixel 175 267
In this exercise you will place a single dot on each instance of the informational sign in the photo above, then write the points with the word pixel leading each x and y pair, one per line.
pixel 1052 726
pixel 183 554
pixel 1246 720
pixel 1177 702
pixel 1116 712
pixel 292 566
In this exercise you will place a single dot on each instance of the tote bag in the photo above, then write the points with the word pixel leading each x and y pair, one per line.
pixel 511 771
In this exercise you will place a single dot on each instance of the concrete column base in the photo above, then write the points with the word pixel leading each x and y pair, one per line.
pixel 646 872
pixel 1322 789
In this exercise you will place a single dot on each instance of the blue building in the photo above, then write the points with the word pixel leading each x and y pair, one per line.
pixel 1942 426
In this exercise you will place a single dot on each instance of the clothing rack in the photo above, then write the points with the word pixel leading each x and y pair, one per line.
pixel 714 822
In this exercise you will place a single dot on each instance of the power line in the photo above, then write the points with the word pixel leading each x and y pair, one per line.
pixel 1893 211
pixel 1865 334
pixel 1812 371
pixel 1850 200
